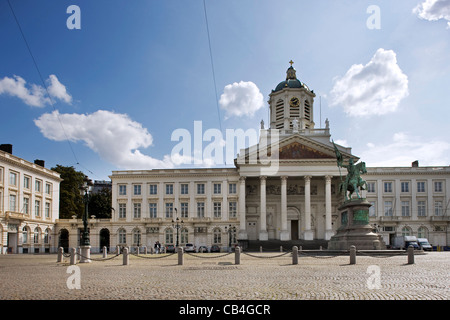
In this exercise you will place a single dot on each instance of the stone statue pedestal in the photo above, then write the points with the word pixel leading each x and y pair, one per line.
pixel 355 229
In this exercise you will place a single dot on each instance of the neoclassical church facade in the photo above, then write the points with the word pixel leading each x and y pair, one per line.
pixel 286 187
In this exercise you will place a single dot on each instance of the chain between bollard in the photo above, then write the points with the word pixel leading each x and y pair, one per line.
pixel 316 256
pixel 101 259
pixel 209 257
pixel 261 257
pixel 159 257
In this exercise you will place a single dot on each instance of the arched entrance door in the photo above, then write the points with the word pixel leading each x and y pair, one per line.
pixel 293 215
pixel 104 239
pixel 64 239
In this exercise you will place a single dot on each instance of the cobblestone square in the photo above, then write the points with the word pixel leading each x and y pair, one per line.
pixel 262 276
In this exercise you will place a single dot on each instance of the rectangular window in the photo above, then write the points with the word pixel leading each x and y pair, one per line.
pixel 37 208
pixel 421 208
pixel 169 188
pixel 26 205
pixel 421 186
pixel 136 210
pixel 388 187
pixel 169 210
pixel 153 189
pixel 137 189
pixel 122 190
pixel 13 179
pixel 405 208
pixel 388 208
pixel 217 209
pixel 201 188
pixel 47 210
pixel 122 210
pixel 26 182
pixel 371 187
pixel 405 186
pixel 232 209
pixel 37 186
pixel 438 186
pixel 184 209
pixel 152 207
pixel 184 188
pixel 48 188
pixel 12 202
pixel 438 208
pixel 372 209
pixel 217 188
pixel 232 188
pixel 200 209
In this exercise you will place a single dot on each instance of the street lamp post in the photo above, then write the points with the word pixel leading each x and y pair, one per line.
pixel 85 242
pixel 177 225
pixel 230 231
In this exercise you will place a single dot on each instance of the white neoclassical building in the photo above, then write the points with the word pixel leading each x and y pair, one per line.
pixel 29 205
pixel 283 188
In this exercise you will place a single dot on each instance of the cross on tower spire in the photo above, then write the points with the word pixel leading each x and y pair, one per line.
pixel 291 62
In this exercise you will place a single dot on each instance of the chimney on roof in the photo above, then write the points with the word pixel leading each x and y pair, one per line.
pixel 40 162
pixel 415 164
pixel 6 148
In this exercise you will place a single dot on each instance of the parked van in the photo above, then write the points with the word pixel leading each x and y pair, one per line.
pixel 424 244
pixel 403 242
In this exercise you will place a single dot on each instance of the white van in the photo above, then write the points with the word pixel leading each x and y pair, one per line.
pixel 424 244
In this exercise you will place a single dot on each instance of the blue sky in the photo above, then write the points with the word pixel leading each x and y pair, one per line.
pixel 138 70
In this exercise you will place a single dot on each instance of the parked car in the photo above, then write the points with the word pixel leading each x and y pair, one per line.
pixel 203 249
pixel 424 244
pixel 215 248
pixel 170 248
pixel 189 247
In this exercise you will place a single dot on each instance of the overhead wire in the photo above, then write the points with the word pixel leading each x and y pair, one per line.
pixel 44 84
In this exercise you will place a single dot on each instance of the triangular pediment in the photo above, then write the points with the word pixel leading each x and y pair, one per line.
pixel 297 150
pixel 294 147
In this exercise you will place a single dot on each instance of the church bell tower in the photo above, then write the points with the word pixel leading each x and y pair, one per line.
pixel 291 104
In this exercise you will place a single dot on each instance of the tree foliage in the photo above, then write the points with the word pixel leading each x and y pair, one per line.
pixel 100 204
pixel 70 200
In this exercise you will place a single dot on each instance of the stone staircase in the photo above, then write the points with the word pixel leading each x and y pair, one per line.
pixel 274 245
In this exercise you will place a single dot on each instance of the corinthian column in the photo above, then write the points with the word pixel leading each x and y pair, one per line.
pixel 242 230
pixel 328 226
pixel 263 235
pixel 284 234
pixel 309 234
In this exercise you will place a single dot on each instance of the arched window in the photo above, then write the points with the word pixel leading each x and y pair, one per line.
pixel 136 237
pixel 169 236
pixel 422 232
pixel 36 235
pixel 406 231
pixel 217 234
pixel 184 236
pixel 122 236
pixel 46 236
pixel 279 114
pixel 24 235
pixel 307 110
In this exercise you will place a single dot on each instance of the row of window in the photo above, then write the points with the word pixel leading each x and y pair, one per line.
pixel 169 236
pixel 26 207
pixel 38 184
pixel 405 186
pixel 184 189
pixel 184 213
pixel 36 235
pixel 406 210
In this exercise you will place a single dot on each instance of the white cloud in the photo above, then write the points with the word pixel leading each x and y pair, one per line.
pixel 34 96
pixel 115 137
pixel 433 10
pixel 372 89
pixel 403 149
pixel 58 90
pixel 241 99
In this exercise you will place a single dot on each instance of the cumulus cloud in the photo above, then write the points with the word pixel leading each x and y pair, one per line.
pixel 433 10
pixel 115 137
pixel 372 89
pixel 403 149
pixel 241 99
pixel 35 95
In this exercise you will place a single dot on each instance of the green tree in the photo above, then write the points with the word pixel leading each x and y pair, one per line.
pixel 70 200
pixel 100 204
